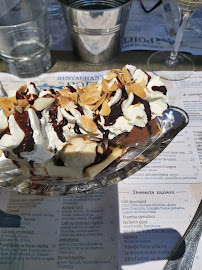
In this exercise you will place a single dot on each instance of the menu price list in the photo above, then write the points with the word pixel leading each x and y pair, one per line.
pixel 152 220
pixel 61 232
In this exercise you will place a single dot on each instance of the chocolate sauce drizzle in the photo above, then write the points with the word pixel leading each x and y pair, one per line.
pixel 52 91
pixel 58 127
pixel 27 144
pixel 58 161
pixel 71 89
pixel 101 157
pixel 161 89
pixel 29 97
pixel 6 131
pixel 80 109
pixel 104 132
pixel 20 95
pixel 146 106
pixel 77 129
pixel 116 110
pixel 48 95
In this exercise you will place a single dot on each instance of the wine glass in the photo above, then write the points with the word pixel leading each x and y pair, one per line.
pixel 174 60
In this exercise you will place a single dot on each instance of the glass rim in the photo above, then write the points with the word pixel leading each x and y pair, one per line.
pixel 64 4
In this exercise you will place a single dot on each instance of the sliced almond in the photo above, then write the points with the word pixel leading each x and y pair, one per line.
pixel 74 96
pixel 23 88
pixel 70 105
pixel 80 91
pixel 105 110
pixel 42 103
pixel 64 92
pixel 62 101
pixel 88 98
pixel 117 70
pixel 114 87
pixel 8 102
pixel 88 123
pixel 8 105
pixel 105 87
pixel 121 78
pixel 90 87
pixel 100 101
pixel 108 96
pixel 126 75
pixel 137 89
pixel 111 75
pixel 8 111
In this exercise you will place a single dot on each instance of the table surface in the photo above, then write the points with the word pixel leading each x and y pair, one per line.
pixel 67 61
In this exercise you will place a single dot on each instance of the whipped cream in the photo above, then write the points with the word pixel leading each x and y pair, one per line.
pixel 4 121
pixel 16 136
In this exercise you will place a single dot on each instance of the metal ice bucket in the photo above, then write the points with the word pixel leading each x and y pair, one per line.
pixel 96 27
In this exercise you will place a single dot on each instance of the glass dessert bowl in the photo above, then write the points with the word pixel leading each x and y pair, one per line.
pixel 81 139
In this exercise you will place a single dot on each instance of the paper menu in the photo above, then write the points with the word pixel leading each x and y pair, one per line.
pixel 115 228
pixel 61 232
pixel 132 225
pixel 151 219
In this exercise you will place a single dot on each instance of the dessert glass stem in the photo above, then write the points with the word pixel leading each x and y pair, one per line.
pixel 173 58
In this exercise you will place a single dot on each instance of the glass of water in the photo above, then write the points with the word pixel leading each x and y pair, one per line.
pixel 25 38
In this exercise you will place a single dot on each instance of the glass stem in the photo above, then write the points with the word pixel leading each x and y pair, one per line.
pixel 183 22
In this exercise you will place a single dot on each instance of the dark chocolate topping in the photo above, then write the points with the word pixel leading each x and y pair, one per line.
pixel 161 89
pixel 58 127
pixel 116 110
pixel 146 106
pixel 27 144
pixel 77 129
pixel 71 89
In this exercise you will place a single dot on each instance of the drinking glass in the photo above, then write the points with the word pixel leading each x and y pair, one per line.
pixel 174 60
pixel 24 37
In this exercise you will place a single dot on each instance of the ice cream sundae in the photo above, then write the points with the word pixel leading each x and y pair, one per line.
pixel 77 132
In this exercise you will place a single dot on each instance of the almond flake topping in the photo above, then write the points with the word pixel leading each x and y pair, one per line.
pixel 88 123
pixel 105 86
pixel 23 88
pixel 137 89
pixel 111 75
pixel 126 75
pixel 113 88
pixel 89 98
pixel 105 109
pixel 64 92
pixel 100 101
pixel 8 105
